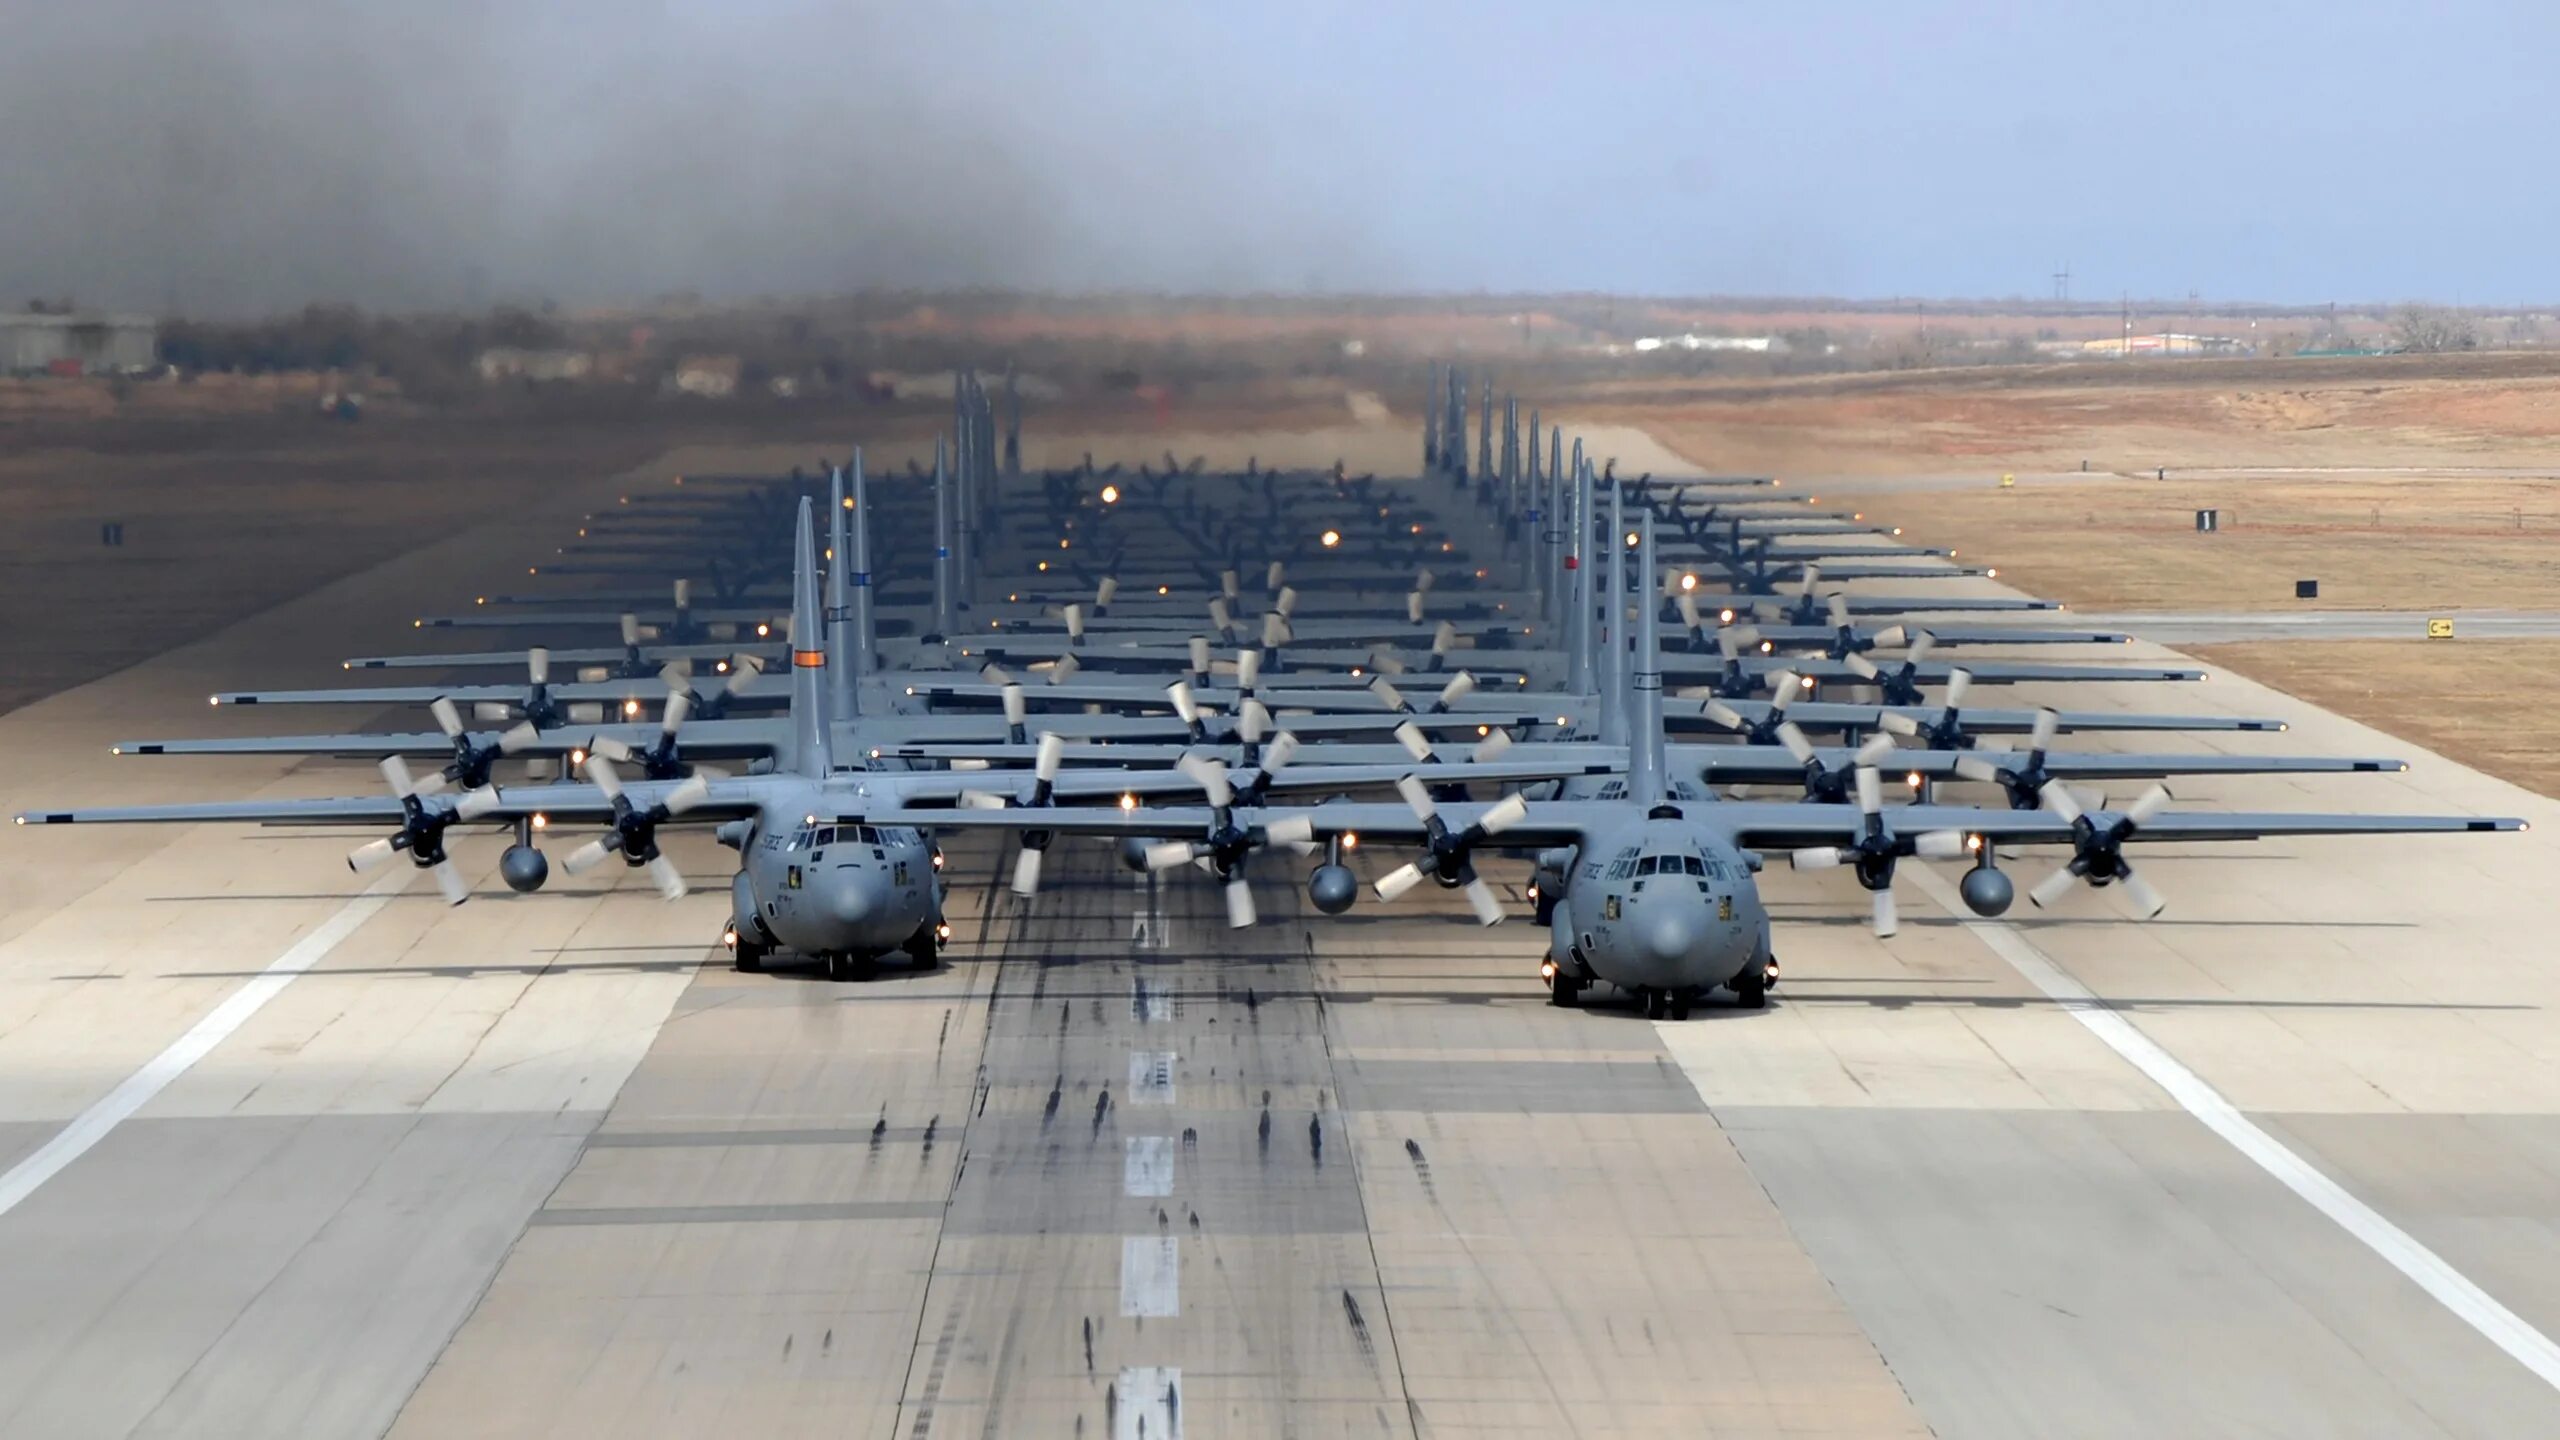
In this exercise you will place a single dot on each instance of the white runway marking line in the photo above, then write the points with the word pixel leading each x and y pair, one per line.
pixel 1151 1077
pixel 2451 1288
pixel 1150 1404
pixel 1150 1277
pixel 95 1123
pixel 1148 1172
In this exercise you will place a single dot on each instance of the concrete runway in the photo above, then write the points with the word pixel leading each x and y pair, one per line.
pixel 2209 628
pixel 543 1165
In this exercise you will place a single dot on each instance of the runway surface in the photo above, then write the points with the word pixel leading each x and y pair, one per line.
pixel 543 1165
pixel 2217 628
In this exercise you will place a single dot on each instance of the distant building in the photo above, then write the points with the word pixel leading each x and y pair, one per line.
pixel 84 344
pixel 1749 344
pixel 714 377
pixel 507 363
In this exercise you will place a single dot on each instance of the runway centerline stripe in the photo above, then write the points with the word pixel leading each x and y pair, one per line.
pixel 95 1123
pixel 1148 1171
pixel 1150 1404
pixel 1150 1277
pixel 2399 1249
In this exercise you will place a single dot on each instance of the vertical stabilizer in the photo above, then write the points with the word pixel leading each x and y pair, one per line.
pixel 1578 584
pixel 866 628
pixel 841 639
pixel 946 622
pixel 808 651
pixel 1613 626
pixel 1644 749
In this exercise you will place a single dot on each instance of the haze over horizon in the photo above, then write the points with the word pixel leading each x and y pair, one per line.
pixel 238 156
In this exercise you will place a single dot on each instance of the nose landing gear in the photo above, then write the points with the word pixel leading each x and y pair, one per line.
pixel 1563 990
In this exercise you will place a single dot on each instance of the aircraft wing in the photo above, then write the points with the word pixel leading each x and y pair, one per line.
pixel 701 739
pixel 1318 777
pixel 723 799
pixel 653 653
pixel 1788 827
pixel 1554 822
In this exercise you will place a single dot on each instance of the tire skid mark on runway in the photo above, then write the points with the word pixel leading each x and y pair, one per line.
pixel 2396 1247
pixel 138 1089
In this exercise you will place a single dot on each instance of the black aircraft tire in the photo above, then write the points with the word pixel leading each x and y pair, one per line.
pixel 1563 992
pixel 1680 1003
pixel 923 947
pixel 1752 997
pixel 747 957
pixel 1656 1004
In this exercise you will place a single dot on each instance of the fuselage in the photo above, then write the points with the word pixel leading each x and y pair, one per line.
pixel 1662 903
pixel 821 885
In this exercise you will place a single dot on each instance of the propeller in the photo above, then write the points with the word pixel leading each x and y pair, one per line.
pixel 1947 731
pixel 1875 849
pixel 635 828
pixel 1188 708
pixel 744 671
pixel 2024 779
pixel 659 761
pixel 422 827
pixel 473 760
pixel 1825 784
pixel 2097 850
pixel 1900 685
pixel 1035 843
pixel 1783 689
pixel 1447 856
pixel 1228 845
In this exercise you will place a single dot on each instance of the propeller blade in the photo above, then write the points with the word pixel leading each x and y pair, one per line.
pixel 1409 735
pixel 600 774
pixel 692 792
pixel 679 705
pixel 1051 754
pixel 590 713
pixel 1253 721
pixel 2060 800
pixel 493 711
pixel 744 671
pixel 1444 638
pixel 586 857
pixel 1385 664
pixel 2153 801
pixel 2047 722
pixel 1896 723
pixel 1491 747
pixel 1921 645
pixel 475 803
pixel 1958 682
pixel 2147 900
pixel 1486 904
pixel 612 749
pixel 1199 654
pixel 1248 669
pixel 1888 916
pixel 1388 694
pixel 448 719
pixel 1503 816
pixel 994 674
pixel 1026 871
pixel 1397 881
pixel 1941 845
pixel 1179 692
pixel 676 674
pixel 1890 637
pixel 1784 687
pixel 980 800
pixel 1220 616
pixel 1271 577
pixel 537 665
pixel 523 734
pixel 1457 689
pixel 630 628
pixel 1282 749
pixel 1817 857
pixel 1103 592
pixel 1170 854
pixel 1413 607
pixel 1718 712
pixel 433 784
pixel 395 772
pixel 1870 791
pixel 1689 611
pixel 1275 630
pixel 1015 707
pixel 1240 913
pixel 1417 796
pixel 1860 666
pixel 1793 737
pixel 1838 605
pixel 1290 830
pixel 1063 668
pixel 2052 887
pixel 1974 767
pixel 1075 622
pixel 1211 773
pixel 449 880
pixel 1287 604
pixel 670 880
pixel 1873 752
pixel 369 854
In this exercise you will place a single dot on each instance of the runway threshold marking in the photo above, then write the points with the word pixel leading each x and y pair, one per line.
pixel 102 1117
pixel 1150 1277
pixel 1148 1170
pixel 2399 1249
pixel 1150 1405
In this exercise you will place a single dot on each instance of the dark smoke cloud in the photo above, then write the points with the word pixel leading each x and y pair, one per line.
pixel 231 156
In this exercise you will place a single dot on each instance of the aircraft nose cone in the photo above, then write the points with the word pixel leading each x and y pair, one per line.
pixel 1669 934
pixel 853 898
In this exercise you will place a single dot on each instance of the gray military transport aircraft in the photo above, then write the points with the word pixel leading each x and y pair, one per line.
pixel 1651 889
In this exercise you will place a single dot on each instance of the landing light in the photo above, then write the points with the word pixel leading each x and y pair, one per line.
pixel 937 857
pixel 763 629
pixel 1110 494
pixel 1973 843
pixel 1547 969
pixel 533 569
pixel 1415 530
pixel 1632 537
pixel 1128 802
pixel 1724 616
pixel 1329 539
pixel 1690 582
pixel 1768 647
pixel 1063 544
pixel 1164 589
pixel 1484 730
pixel 1448 547
pixel 1991 574
pixel 848 502
pixel 720 667
pixel 630 707
pixel 577 758
pixel 1350 839
pixel 479 599
pixel 1805 681
pixel 942 930
pixel 1912 779
pixel 1044 567
pixel 214 700
pixel 541 821
pixel 729 937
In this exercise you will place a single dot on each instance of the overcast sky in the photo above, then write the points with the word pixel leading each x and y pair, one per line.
pixel 231 155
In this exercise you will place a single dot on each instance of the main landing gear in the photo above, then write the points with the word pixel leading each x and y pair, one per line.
pixel 1666 1004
